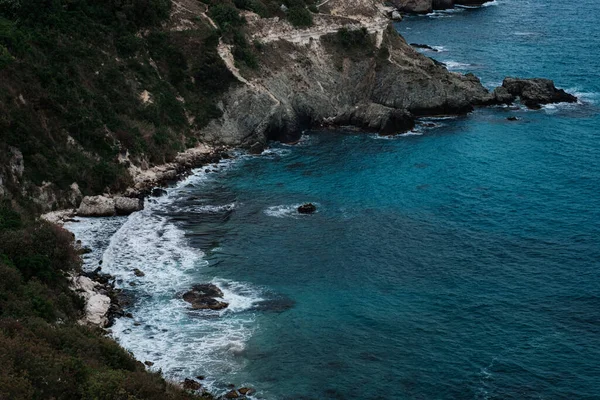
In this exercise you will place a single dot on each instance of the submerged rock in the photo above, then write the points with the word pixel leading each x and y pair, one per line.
pixel 138 272
pixel 204 297
pixel 535 92
pixel 307 208
pixel 513 118
pixel 158 192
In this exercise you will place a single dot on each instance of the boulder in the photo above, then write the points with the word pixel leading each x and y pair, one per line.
pixel 378 118
pixel 245 391
pixel 413 6
pixel 232 395
pixel 190 384
pixel 204 297
pixel 307 208
pixel 537 91
pixel 396 16
pixel 128 205
pixel 138 272
pixel 96 206
pixel 513 118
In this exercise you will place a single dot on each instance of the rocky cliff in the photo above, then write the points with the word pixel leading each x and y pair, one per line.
pixel 201 77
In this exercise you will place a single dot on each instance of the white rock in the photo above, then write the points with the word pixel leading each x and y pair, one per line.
pixel 127 205
pixel 96 206
pixel 96 304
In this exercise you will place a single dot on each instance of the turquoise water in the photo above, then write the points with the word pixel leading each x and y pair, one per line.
pixel 461 261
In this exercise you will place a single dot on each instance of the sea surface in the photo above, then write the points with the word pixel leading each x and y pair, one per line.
pixel 458 261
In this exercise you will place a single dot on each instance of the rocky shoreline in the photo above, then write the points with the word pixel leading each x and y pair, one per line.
pixel 387 108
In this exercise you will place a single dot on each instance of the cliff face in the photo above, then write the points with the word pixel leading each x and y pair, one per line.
pixel 138 89
pixel 322 75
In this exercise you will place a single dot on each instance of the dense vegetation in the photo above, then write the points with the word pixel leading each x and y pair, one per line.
pixel 71 76
pixel 45 353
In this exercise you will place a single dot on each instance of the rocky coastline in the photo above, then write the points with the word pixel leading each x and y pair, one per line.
pixel 384 85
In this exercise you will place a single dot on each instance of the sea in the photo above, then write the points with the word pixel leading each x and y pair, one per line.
pixel 460 260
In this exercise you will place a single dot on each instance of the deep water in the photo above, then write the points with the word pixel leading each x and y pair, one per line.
pixel 460 261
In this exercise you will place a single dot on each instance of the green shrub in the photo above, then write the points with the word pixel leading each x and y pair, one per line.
pixel 300 17
pixel 226 16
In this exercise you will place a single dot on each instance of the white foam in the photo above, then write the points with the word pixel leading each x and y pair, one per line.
pixel 440 49
pixel 179 341
pixel 455 65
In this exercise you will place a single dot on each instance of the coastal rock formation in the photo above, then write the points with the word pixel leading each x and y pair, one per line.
pixel 96 206
pixel 537 91
pixel 307 208
pixel 378 118
pixel 413 6
pixel 97 305
pixel 204 297
pixel 104 206
pixel 471 3
pixel 128 205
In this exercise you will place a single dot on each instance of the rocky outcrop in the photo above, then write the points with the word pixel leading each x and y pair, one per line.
pixel 413 6
pixel 377 118
pixel 307 208
pixel 204 297
pixel 104 206
pixel 536 91
pixel 97 304
pixel 127 205
pixel 96 206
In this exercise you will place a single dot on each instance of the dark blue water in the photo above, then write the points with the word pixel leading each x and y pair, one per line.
pixel 462 262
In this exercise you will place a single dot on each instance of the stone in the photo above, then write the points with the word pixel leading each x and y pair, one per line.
pixel 378 118
pixel 245 391
pixel 307 208
pixel 96 206
pixel 513 118
pixel 471 3
pixel 396 16
pixel 138 272
pixel 204 297
pixel 200 377
pixel 537 91
pixel 232 395
pixel 128 205
pixel 149 363
pixel 190 384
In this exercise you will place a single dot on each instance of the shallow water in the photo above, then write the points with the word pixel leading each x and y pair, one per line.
pixel 457 261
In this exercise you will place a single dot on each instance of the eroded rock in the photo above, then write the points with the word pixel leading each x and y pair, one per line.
pixel 204 297
pixel 96 206
pixel 128 205
pixel 307 208
pixel 535 92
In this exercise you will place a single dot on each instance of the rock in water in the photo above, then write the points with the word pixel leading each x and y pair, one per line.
pixel 246 391
pixel 190 384
pixel 96 206
pixel 128 205
pixel 396 16
pixel 203 297
pixel 537 91
pixel 513 118
pixel 158 192
pixel 232 395
pixel 472 3
pixel 307 208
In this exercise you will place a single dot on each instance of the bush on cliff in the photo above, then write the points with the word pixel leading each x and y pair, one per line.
pixel 71 77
